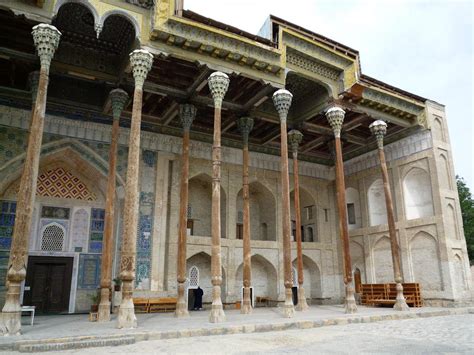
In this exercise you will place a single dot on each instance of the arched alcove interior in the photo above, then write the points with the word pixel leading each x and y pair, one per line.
pixel 377 207
pixel 450 222
pixel 459 281
pixel 311 278
pixel 262 212
pixel 354 218
pixel 358 259
pixel 202 262
pixel 382 261
pixel 417 194
pixel 309 230
pixel 425 261
pixel 200 206
pixel 264 278
pixel 437 129
pixel 445 176
pixel 80 45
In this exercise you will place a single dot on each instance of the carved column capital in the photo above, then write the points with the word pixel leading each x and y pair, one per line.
pixel 46 39
pixel 282 101
pixel 33 81
pixel 141 61
pixel 335 117
pixel 119 99
pixel 295 137
pixel 245 125
pixel 187 114
pixel 378 129
pixel 218 84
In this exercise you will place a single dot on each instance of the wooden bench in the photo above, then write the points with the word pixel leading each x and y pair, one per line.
pixel 386 294
pixel 141 305
pixel 162 304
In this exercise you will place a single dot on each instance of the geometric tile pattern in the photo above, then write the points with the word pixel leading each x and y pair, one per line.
pixel 61 183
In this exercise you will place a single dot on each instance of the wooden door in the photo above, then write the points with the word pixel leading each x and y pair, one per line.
pixel 48 283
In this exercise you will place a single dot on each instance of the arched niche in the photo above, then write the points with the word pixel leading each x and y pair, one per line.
pixel 308 216
pixel 445 176
pixel 382 261
pixel 200 206
pixel 377 207
pixel 417 194
pixel 262 212
pixel 459 281
pixel 425 261
pixel 117 13
pixel 202 261
pixel 357 258
pixel 451 229
pixel 264 278
pixel 354 218
pixel 312 278
pixel 437 129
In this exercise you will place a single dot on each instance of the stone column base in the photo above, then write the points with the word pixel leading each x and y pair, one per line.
pixel 217 314
pixel 401 303
pixel 350 304
pixel 247 303
pixel 288 307
pixel 302 304
pixel 104 305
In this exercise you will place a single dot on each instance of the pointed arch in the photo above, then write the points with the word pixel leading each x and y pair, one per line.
pixel 308 215
pixel 66 153
pixel 85 3
pixel 418 197
pixel 262 211
pixel 200 205
pixel 459 281
pixel 382 260
pixel 264 277
pixel 425 261
pixel 376 202
pixel 451 228
pixel 312 277
pixel 124 15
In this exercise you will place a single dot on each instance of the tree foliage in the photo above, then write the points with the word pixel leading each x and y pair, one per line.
pixel 467 211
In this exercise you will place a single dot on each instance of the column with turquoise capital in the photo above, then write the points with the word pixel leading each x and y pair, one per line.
pixel 218 84
pixel 294 138
pixel 379 129
pixel 118 99
pixel 46 40
pixel 282 100
pixel 245 125
pixel 187 113
pixel 335 117
pixel 141 61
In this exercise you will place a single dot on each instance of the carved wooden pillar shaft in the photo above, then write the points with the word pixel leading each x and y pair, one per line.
pixel 295 137
pixel 141 61
pixel 335 116
pixel 245 125
pixel 118 99
pixel 282 101
pixel 187 115
pixel 46 39
pixel 379 128
pixel 218 85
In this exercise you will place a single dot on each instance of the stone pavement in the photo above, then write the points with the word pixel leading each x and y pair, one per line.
pixel 75 331
pixel 432 335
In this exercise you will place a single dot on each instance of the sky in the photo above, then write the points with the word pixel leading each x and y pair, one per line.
pixel 421 46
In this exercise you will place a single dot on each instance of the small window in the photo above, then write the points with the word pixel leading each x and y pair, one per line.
pixel 263 231
pixel 193 277
pixel 190 226
pixel 53 238
pixel 189 211
pixel 240 231
pixel 326 217
pixel 309 212
pixel 240 217
pixel 351 213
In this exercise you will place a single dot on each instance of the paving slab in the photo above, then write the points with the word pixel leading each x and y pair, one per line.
pixel 63 332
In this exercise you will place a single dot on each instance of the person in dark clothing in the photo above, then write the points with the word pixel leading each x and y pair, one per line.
pixel 198 298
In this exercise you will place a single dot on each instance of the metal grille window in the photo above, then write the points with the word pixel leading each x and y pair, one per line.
pixel 52 238
pixel 240 217
pixel 193 277
pixel 189 211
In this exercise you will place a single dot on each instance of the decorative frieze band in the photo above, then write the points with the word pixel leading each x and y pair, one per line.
pixel 18 118
pixel 311 65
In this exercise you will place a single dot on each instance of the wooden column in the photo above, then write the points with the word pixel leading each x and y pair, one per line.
pixel 141 62
pixel 118 99
pixel 335 117
pixel 295 137
pixel 218 85
pixel 187 114
pixel 379 128
pixel 46 39
pixel 282 101
pixel 245 125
